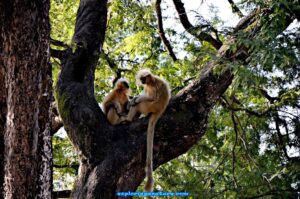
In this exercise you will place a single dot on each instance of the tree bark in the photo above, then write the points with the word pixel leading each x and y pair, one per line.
pixel 2 117
pixel 2 104
pixel 25 39
pixel 112 158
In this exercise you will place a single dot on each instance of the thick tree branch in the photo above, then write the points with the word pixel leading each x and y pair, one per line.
pixel 161 31
pixel 246 21
pixel 75 87
pixel 196 31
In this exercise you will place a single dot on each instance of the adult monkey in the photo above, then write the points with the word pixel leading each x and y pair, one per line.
pixel 153 100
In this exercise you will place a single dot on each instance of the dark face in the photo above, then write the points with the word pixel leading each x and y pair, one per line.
pixel 125 84
pixel 144 79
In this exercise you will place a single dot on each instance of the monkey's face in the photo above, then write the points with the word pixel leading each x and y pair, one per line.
pixel 126 85
pixel 145 79
pixel 122 85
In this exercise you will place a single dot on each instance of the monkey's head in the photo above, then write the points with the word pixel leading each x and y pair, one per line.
pixel 122 85
pixel 144 76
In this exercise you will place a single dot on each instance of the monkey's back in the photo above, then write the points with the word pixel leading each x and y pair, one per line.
pixel 161 94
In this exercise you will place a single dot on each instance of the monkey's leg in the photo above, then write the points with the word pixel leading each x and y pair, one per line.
pixel 113 117
pixel 132 112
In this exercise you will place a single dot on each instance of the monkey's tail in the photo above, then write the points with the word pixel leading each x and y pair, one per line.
pixel 149 166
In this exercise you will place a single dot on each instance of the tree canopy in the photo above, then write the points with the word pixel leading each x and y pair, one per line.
pixel 234 115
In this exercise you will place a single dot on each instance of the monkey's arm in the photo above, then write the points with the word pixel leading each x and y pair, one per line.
pixel 141 98
pixel 114 105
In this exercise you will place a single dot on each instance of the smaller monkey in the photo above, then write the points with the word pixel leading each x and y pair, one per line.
pixel 153 100
pixel 115 103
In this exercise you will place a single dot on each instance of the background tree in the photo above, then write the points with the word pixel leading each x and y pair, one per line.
pixel 251 134
pixel 26 91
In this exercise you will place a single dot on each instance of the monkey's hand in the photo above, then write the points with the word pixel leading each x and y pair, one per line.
pixel 124 120
pixel 122 114
pixel 134 101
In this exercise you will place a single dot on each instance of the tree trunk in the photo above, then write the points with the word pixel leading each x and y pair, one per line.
pixel 2 119
pixel 2 104
pixel 112 158
pixel 25 37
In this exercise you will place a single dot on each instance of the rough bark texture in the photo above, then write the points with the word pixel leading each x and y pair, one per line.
pixel 112 158
pixel 2 117
pixel 25 37
pixel 2 125
pixel 2 104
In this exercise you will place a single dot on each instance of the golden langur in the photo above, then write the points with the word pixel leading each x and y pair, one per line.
pixel 115 103
pixel 153 100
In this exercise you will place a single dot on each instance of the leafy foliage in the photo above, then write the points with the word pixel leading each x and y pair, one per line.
pixel 251 148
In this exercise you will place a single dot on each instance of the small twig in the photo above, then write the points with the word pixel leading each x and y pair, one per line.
pixel 148 58
pixel 280 136
pixel 226 104
pixel 115 68
pixel 110 62
pixel 119 74
pixel 266 95
pixel 58 43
